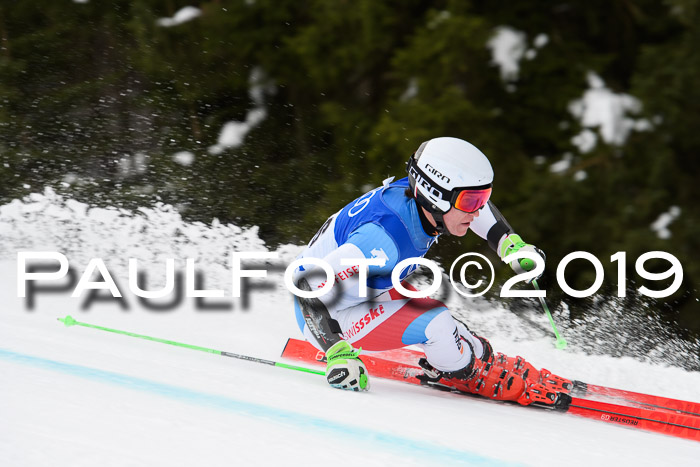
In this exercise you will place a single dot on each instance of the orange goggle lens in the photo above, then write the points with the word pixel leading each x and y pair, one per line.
pixel 472 200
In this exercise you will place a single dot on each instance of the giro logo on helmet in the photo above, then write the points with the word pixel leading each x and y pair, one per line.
pixel 420 180
pixel 437 173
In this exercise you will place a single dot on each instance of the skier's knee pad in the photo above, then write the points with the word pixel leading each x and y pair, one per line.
pixel 482 347
pixel 445 349
pixel 441 326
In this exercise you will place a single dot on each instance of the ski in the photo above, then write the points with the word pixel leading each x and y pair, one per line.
pixel 674 424
pixel 642 400
pixel 410 357
pixel 641 410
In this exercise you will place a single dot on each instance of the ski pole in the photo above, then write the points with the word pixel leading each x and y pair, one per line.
pixel 70 321
pixel 561 342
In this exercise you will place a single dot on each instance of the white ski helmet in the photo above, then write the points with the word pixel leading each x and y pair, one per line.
pixel 442 168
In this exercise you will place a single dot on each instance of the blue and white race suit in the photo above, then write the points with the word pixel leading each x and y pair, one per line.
pixel 384 223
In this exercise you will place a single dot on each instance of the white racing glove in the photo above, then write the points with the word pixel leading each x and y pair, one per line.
pixel 513 243
pixel 345 370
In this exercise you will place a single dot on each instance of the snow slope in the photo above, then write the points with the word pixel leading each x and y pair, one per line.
pixel 77 396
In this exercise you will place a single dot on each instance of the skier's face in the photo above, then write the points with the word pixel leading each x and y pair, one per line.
pixel 457 222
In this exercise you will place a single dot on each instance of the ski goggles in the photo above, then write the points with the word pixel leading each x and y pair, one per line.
pixel 471 201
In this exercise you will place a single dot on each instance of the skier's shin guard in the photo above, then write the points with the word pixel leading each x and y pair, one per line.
pixel 325 329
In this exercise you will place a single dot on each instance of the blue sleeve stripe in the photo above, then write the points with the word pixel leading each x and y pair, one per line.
pixel 415 332
pixel 299 315
pixel 379 282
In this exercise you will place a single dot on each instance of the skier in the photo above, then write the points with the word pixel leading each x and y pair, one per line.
pixel 447 191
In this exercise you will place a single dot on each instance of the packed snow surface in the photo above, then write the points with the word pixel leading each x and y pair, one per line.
pixel 83 397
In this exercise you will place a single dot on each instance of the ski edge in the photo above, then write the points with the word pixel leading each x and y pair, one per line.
pixel 680 425
pixel 644 400
pixel 409 357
